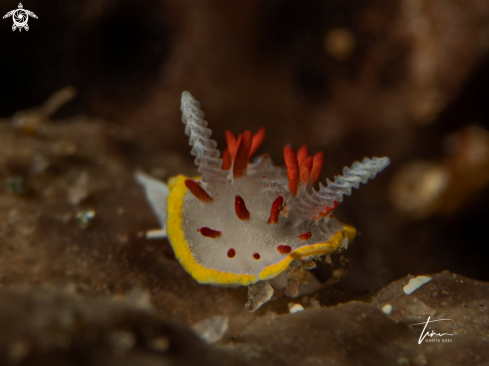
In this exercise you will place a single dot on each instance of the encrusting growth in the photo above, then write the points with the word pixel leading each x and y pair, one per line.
pixel 246 222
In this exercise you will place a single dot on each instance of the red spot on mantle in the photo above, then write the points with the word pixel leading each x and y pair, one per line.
pixel 197 191
pixel 305 236
pixel 284 249
pixel 276 206
pixel 240 208
pixel 209 233
pixel 231 253
pixel 256 256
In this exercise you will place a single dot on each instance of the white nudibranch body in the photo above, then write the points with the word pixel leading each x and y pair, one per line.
pixel 243 223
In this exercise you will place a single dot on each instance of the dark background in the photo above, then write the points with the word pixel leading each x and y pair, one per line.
pixel 412 74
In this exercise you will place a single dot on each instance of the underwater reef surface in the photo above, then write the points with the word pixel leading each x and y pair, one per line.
pixel 80 283
pixel 399 78
pixel 56 326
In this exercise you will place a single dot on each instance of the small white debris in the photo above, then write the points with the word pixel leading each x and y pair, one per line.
pixel 387 309
pixel 84 218
pixel 212 330
pixel 79 190
pixel 137 298
pixel 295 308
pixel 415 283
pixel 156 234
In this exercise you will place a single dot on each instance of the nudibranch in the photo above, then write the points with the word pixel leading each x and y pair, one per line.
pixel 252 223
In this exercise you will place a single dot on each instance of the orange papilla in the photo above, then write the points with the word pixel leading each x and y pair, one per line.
pixel 305 172
pixel 257 140
pixel 276 206
pixel 232 144
pixel 240 208
pixel 226 160
pixel 302 154
pixel 238 141
pixel 242 155
pixel 317 164
pixel 292 169
pixel 198 191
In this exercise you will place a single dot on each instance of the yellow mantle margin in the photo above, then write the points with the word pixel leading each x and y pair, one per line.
pixel 212 276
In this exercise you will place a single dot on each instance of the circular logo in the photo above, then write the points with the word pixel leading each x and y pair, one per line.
pixel 20 18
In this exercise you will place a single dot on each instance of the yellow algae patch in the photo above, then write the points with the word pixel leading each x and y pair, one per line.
pixel 181 248
pixel 310 250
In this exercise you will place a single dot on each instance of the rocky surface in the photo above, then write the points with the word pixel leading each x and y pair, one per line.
pixel 402 78
pixel 101 293
pixel 43 240
pixel 353 79
pixel 45 325
pixel 58 326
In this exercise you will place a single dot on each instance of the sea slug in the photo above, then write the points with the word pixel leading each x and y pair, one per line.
pixel 252 224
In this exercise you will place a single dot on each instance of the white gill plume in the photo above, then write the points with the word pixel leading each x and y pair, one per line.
pixel 309 205
pixel 203 148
